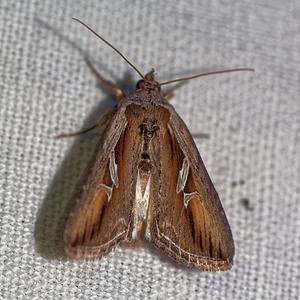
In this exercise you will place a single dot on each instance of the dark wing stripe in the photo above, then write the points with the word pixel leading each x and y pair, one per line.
pixel 210 245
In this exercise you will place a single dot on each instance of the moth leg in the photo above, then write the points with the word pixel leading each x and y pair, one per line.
pixel 170 92
pixel 104 118
pixel 108 86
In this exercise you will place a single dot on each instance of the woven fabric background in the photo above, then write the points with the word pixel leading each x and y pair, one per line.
pixel 252 155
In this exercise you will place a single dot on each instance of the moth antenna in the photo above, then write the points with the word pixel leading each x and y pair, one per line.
pixel 109 44
pixel 205 74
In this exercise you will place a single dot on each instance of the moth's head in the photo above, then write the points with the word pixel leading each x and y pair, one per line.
pixel 148 82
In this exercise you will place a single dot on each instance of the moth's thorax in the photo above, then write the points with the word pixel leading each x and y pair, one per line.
pixel 145 97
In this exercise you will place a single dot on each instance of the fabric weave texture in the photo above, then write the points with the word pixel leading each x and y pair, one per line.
pixel 252 153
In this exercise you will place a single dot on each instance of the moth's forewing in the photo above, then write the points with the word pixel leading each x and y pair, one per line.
pixel 188 221
pixel 102 215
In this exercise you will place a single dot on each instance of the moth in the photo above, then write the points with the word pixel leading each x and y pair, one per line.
pixel 147 180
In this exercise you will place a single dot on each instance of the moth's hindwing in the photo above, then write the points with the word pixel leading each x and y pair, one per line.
pixel 188 221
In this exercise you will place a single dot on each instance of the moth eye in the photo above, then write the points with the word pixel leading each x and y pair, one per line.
pixel 140 84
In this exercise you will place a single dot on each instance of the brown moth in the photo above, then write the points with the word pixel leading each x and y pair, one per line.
pixel 147 179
